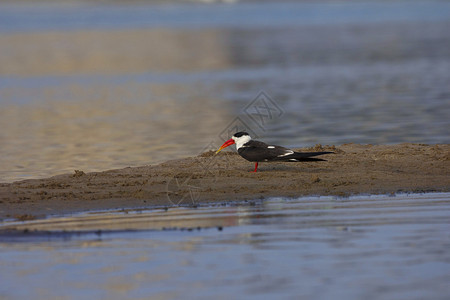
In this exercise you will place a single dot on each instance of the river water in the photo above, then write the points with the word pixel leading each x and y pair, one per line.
pixel 95 86
pixel 362 247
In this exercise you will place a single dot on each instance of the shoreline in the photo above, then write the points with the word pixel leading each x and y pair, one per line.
pixel 353 169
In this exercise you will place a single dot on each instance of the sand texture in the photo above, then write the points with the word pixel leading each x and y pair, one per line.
pixel 353 169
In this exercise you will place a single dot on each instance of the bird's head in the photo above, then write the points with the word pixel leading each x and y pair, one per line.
pixel 239 138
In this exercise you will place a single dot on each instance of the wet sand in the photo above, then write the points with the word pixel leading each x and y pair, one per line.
pixel 353 169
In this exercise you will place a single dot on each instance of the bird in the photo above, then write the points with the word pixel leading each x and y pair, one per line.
pixel 256 151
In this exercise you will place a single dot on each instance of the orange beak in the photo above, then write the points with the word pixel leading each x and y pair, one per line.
pixel 226 144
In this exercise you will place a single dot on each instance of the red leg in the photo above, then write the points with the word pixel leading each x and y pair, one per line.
pixel 256 167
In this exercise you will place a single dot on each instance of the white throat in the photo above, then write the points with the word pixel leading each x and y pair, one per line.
pixel 240 141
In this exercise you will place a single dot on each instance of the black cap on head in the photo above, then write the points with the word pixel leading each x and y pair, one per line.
pixel 240 133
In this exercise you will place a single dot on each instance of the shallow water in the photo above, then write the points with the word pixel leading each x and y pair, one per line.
pixel 94 87
pixel 374 247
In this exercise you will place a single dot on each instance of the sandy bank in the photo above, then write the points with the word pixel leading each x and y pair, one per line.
pixel 353 169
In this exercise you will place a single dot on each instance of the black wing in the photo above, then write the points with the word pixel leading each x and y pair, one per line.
pixel 303 156
pixel 259 151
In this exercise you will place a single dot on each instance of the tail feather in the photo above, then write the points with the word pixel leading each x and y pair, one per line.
pixel 304 156
pixel 307 159
pixel 309 154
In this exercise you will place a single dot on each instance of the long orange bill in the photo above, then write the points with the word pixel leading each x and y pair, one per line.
pixel 226 144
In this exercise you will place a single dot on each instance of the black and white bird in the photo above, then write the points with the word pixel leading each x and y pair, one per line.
pixel 257 151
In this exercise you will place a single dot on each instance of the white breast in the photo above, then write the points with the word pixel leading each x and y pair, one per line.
pixel 240 141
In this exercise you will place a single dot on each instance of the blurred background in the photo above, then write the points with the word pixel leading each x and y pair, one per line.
pixel 95 85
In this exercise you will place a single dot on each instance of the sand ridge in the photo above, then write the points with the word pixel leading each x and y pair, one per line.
pixel 353 169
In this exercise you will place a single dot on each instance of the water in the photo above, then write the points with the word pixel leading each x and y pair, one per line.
pixel 176 15
pixel 98 86
pixel 373 247
pixel 94 86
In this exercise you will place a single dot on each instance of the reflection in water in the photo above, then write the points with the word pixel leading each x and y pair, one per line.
pixel 102 129
pixel 94 98
pixel 377 247
pixel 112 52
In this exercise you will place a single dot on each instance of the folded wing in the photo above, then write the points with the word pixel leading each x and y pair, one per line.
pixel 259 151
